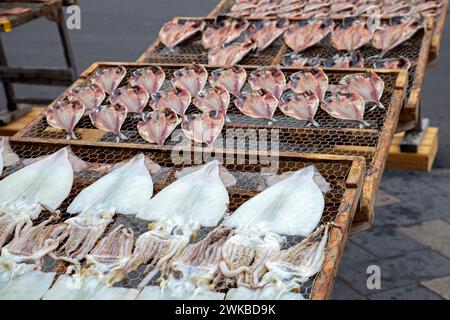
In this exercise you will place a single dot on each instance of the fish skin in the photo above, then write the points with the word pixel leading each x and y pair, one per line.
pixel 348 60
pixel 175 99
pixel 233 79
pixel 108 79
pixel 297 60
pixel 353 37
pixel 304 34
pixel 175 32
pixel 133 98
pixel 231 54
pixel 90 94
pixel 225 30
pixel 270 79
pixel 257 104
pixel 150 78
pixel 300 106
pixel 345 106
pixel 192 79
pixel 314 80
pixel 158 125
pixel 203 128
pixel 265 32
pixel 110 118
pixel 401 63
pixel 213 99
pixel 65 115
pixel 369 86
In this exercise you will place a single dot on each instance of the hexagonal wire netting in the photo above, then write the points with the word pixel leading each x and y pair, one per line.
pixel 248 174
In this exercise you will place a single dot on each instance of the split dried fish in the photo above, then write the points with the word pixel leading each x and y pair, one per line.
pixel 230 54
pixel 175 99
pixel 233 79
pixel 213 99
pixel 192 79
pixel 367 85
pixel 348 60
pixel 314 80
pixel 150 78
pixel 300 106
pixel 203 128
pixel 265 32
pixel 352 35
pixel 110 118
pixel 158 125
pixel 133 98
pixel 345 106
pixel 307 33
pixel 297 60
pixel 224 30
pixel 65 115
pixel 270 79
pixel 89 94
pixel 257 104
pixel 392 63
pixel 175 32
pixel 109 79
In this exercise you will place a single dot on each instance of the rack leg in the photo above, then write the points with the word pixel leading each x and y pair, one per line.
pixel 9 90
pixel 67 48
pixel 413 138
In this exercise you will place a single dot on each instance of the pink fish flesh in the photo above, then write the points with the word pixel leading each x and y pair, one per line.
pixel 265 32
pixel 233 79
pixel 192 79
pixel 314 80
pixel 110 118
pixel 368 85
pixel 348 60
pixel 352 35
pixel 150 78
pixel 203 128
pixel 65 115
pixel 307 33
pixel 175 32
pixel 257 104
pixel 109 79
pixel 133 98
pixel 229 55
pixel 270 79
pixel 345 106
pixel 213 99
pixel 225 30
pixel 401 63
pixel 91 95
pixel 297 60
pixel 176 99
pixel 158 125
pixel 300 106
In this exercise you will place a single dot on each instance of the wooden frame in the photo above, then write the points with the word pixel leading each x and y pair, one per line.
pixel 437 34
pixel 352 184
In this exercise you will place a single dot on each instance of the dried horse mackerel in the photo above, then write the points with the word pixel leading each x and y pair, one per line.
pixel 203 128
pixel 110 118
pixel 230 54
pixel 307 33
pixel 232 79
pixel 352 35
pixel 192 79
pixel 213 99
pixel 109 79
pixel 133 98
pixel 265 32
pixel 150 78
pixel 158 125
pixel 348 60
pixel 259 104
pixel 175 99
pixel 297 60
pixel 179 30
pixel 345 106
pixel 89 94
pixel 367 85
pixel 64 115
pixel 224 30
pixel 300 106
pixel 270 79
pixel 314 80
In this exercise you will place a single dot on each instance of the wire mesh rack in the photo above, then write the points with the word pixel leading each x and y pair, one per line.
pixel 283 135
pixel 345 175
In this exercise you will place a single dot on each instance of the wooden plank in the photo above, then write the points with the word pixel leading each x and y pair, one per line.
pixel 14 127
pixel 437 34
pixel 422 160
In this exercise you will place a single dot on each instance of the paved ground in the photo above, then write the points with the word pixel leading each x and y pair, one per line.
pixel 411 238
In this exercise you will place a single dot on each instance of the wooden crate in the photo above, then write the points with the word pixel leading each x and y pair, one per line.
pixel 345 174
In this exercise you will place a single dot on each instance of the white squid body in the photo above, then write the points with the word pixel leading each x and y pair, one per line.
pixel 179 290
pixel 7 156
pixel 269 292
pixel 28 284
pixel 293 206
pixel 199 197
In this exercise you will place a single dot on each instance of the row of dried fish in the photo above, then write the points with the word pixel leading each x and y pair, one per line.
pixel 244 251
pixel 229 40
pixel 339 8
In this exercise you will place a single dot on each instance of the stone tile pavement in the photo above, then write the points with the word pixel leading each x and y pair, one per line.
pixel 410 241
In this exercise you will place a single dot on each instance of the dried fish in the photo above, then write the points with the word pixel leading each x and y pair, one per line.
pixel 270 79
pixel 150 78
pixel 392 63
pixel 297 60
pixel 158 125
pixel 175 99
pixel 300 106
pixel 314 80
pixel 192 79
pixel 369 86
pixel 89 94
pixel 133 98
pixel 307 33
pixel 233 79
pixel 348 60
pixel 229 55
pixel 109 79
pixel 175 32
pixel 203 128
pixel 265 32
pixel 257 104
pixel 110 118
pixel 65 115
pixel 213 99
pixel 224 30
pixel 352 35
pixel 345 106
